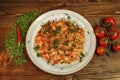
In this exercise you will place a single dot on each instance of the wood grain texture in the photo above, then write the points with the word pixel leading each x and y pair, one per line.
pixel 100 68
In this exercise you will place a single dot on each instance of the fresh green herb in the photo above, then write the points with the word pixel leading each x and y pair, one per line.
pixel 36 48
pixel 50 52
pixel 57 30
pixel 48 62
pixel 54 32
pixel 88 32
pixel 81 57
pixel 46 30
pixel 55 43
pixel 70 49
pixel 38 55
pixel 80 60
pixel 61 68
pixel 65 43
pixel 74 23
pixel 11 44
pixel 68 17
pixel 73 30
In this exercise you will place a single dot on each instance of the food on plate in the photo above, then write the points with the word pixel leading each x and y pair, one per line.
pixel 60 42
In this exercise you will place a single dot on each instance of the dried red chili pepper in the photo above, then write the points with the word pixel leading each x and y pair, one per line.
pixel 18 35
pixel 4 58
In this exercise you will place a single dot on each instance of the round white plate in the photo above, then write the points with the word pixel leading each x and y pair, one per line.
pixel 61 69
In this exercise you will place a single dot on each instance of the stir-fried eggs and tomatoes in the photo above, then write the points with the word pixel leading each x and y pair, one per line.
pixel 60 42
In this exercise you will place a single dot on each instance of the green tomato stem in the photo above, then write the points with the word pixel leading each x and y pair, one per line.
pixel 107 53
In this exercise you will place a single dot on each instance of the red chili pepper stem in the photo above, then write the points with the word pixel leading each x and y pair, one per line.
pixel 18 36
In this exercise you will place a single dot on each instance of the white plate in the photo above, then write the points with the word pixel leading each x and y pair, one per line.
pixel 89 46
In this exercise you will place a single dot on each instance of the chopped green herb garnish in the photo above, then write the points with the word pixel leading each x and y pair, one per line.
pixel 73 30
pixel 61 68
pixel 42 24
pixel 44 31
pixel 55 43
pixel 82 55
pixel 65 43
pixel 57 30
pixel 71 49
pixel 68 17
pixel 36 48
pixel 80 59
pixel 88 32
pixel 48 62
pixel 38 54
pixel 54 32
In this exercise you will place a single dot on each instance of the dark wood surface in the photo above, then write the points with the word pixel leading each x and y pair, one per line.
pixel 100 68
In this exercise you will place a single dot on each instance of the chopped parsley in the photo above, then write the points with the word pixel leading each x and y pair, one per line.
pixel 48 61
pixel 73 30
pixel 88 32
pixel 57 30
pixel 55 43
pixel 38 54
pixel 81 57
pixel 68 16
pixel 36 48
pixel 70 49
pixel 65 43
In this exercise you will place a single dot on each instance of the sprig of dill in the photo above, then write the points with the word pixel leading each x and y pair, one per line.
pixel 11 44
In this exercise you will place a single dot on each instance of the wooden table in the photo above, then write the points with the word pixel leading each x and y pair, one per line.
pixel 100 68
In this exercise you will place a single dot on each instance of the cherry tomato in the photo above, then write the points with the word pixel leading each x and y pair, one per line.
pixel 99 32
pixel 113 34
pixel 116 47
pixel 100 50
pixel 104 41
pixel 110 20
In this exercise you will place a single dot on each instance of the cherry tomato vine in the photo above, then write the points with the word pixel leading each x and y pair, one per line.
pixel 107 33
